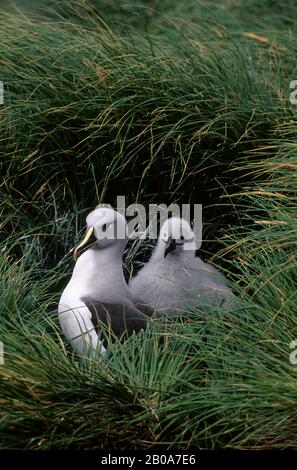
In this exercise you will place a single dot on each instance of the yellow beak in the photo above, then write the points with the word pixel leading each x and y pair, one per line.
pixel 83 242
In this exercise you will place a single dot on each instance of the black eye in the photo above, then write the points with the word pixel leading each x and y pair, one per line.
pixel 104 227
pixel 182 237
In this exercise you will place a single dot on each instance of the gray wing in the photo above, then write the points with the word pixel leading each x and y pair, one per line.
pixel 147 309
pixel 121 319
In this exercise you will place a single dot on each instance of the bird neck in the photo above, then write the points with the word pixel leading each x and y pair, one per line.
pixel 158 252
pixel 191 247
pixel 99 268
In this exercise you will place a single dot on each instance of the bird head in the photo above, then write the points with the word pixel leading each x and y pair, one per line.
pixel 105 228
pixel 176 235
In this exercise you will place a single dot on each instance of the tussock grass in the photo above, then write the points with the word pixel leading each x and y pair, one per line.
pixel 102 100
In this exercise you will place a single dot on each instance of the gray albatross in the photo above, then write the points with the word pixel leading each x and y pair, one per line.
pixel 97 289
pixel 174 279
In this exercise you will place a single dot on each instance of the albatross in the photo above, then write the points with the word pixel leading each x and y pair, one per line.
pixel 97 289
pixel 175 280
